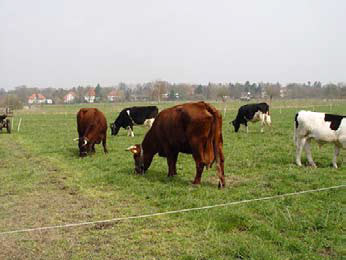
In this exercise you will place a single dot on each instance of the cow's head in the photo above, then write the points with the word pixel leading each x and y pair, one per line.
pixel 84 146
pixel 138 157
pixel 236 125
pixel 114 129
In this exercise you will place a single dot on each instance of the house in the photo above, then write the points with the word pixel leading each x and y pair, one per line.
pixel 49 101
pixel 283 92
pixel 90 96
pixel 36 99
pixel 70 97
pixel 112 96
pixel 165 96
pixel 245 96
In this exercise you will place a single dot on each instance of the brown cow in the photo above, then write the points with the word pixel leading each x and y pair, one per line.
pixel 192 128
pixel 92 129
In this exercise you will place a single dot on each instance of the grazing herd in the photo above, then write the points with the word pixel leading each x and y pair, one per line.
pixel 196 129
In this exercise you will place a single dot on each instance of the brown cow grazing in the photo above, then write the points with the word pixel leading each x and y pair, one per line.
pixel 192 128
pixel 92 129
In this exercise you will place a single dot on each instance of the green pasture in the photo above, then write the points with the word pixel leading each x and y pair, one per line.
pixel 43 182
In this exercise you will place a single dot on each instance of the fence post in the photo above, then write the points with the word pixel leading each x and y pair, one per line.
pixel 20 121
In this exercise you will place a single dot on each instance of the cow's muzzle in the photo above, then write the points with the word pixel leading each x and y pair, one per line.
pixel 140 169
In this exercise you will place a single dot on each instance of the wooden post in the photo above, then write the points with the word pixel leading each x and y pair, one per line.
pixel 225 106
pixel 20 121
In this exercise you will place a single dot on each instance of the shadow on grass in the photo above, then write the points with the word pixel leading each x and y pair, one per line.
pixel 161 177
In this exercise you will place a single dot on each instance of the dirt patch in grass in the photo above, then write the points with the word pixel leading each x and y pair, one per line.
pixel 38 193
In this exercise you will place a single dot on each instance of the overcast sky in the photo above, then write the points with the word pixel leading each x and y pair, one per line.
pixel 66 43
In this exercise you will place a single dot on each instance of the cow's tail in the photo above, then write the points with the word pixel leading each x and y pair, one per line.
pixel 217 143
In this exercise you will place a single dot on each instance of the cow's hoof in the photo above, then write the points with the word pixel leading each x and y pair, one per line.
pixel 221 185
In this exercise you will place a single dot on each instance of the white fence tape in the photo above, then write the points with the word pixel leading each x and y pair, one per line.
pixel 167 212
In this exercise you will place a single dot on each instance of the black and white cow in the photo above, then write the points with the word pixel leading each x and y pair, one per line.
pixel 131 116
pixel 252 113
pixel 324 128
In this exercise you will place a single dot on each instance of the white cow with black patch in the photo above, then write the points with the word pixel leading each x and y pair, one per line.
pixel 324 128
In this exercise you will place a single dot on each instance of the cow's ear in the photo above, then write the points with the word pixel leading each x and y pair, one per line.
pixel 132 149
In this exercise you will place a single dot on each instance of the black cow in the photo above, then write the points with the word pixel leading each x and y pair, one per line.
pixel 252 113
pixel 131 116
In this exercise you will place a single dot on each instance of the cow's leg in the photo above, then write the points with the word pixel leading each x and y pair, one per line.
pixel 220 167
pixel 151 121
pixel 300 144
pixel 104 145
pixel 262 122
pixel 308 153
pixel 92 148
pixel 172 162
pixel 335 157
pixel 131 131
pixel 247 128
pixel 199 171
pixel 268 121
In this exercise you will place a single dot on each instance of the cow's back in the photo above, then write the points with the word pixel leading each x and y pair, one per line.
pixel 88 118
pixel 263 107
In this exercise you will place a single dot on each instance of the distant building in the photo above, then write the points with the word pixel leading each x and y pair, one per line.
pixel 245 96
pixel 140 98
pixel 70 97
pixel 90 96
pixel 36 99
pixel 49 101
pixel 283 92
pixel 112 96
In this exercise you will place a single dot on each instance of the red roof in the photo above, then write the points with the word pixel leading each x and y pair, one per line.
pixel 70 93
pixel 113 93
pixel 91 93
pixel 37 96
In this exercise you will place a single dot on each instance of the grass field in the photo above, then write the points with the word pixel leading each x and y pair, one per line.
pixel 43 182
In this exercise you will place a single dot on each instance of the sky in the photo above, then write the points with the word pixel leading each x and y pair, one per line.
pixel 66 43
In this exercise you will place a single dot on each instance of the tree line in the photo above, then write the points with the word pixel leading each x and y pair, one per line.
pixel 163 90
